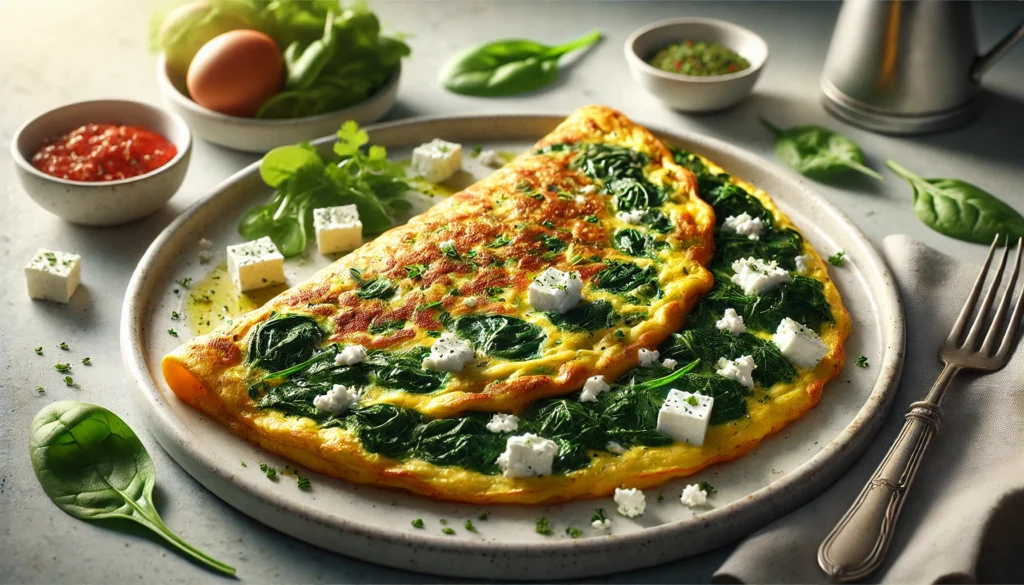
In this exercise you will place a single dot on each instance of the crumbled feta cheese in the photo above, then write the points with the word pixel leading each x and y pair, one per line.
pixel 490 158
pixel 437 160
pixel 503 423
pixel 684 416
pixel 744 225
pixel 732 322
pixel 648 356
pixel 605 524
pixel 255 264
pixel 350 355
pixel 592 388
pixel 631 502
pixel 615 448
pixel 554 290
pixel 801 264
pixel 669 363
pixel 469 302
pixel 740 369
pixel 756 276
pixel 527 455
pixel 53 276
pixel 337 400
pixel 205 244
pixel 587 189
pixel 338 229
pixel 800 344
pixel 205 256
pixel 631 217
pixel 693 496
pixel 448 354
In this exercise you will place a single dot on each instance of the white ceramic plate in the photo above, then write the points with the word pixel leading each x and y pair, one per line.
pixel 373 524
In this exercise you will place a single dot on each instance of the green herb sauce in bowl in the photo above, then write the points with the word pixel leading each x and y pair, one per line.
pixel 702 58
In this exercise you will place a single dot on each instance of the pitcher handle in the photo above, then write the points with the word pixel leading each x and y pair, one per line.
pixel 984 62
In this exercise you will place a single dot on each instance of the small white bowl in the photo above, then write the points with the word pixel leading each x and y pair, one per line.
pixel 103 202
pixel 691 93
pixel 259 136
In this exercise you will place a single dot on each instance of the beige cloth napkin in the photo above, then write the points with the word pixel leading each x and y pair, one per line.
pixel 963 520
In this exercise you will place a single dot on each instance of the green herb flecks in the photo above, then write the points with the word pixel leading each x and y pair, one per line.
pixel 448 530
pixel 699 58
pixel 64 346
pixel 418 523
pixel 544 527
pixel 837 259
pixel 87 361
pixel 270 471
pixel 39 350
pixel 62 368
pixel 862 361
pixel 573 532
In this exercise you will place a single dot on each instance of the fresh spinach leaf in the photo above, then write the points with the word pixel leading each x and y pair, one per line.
pixel 657 221
pixel 94 467
pixel 801 299
pixel 507 67
pixel 708 344
pixel 818 152
pixel 384 428
pixel 282 341
pixel 626 277
pixel 378 288
pixel 585 317
pixel 605 162
pixel 960 210
pixel 385 326
pixel 630 194
pixel 636 243
pixel 501 336
pixel 463 441
pixel 405 371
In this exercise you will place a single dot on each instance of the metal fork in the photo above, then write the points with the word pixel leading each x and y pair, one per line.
pixel 857 545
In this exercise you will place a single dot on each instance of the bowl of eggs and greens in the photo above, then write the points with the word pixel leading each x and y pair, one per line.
pixel 253 74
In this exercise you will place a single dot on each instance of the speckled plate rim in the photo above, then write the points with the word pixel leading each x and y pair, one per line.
pixel 572 558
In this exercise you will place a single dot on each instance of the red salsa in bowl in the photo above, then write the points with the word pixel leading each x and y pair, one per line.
pixel 104 152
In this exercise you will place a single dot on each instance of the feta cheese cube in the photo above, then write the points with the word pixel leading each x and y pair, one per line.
pixel 255 264
pixel 592 387
pixel 631 217
pixel 527 455
pixel 631 502
pixel 669 363
pixel 615 448
pixel 648 356
pixel 800 344
pixel 469 302
pixel 756 276
pixel 732 322
pixel 350 355
pixel 491 159
pixel 554 290
pixel 448 354
pixel 684 416
pixel 693 496
pixel 740 369
pixel 53 276
pixel 801 264
pixel 503 423
pixel 744 225
pixel 437 160
pixel 338 229
pixel 337 400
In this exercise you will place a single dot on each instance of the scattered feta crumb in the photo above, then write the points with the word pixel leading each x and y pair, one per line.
pixel 350 355
pixel 437 160
pixel 448 354
pixel 469 302
pixel 554 290
pixel 53 275
pixel 337 400
pixel 669 363
pixel 527 455
pixel 503 423
pixel 801 264
pixel 799 343
pixel 732 322
pixel 592 388
pixel 205 256
pixel 338 229
pixel 684 416
pixel 744 225
pixel 491 159
pixel 693 496
pixel 605 524
pixel 587 189
pixel 205 244
pixel 631 502
pixel 255 264
pixel 631 217
pixel 756 276
pixel 615 448
pixel 648 356
pixel 740 369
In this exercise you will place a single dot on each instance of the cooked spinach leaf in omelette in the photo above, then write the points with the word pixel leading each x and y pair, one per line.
pixel 538 396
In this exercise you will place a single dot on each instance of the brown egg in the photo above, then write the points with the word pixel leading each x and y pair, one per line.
pixel 236 72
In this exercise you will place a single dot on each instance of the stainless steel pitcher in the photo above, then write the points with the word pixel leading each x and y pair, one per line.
pixel 907 67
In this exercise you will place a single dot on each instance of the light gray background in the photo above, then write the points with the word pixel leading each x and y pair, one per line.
pixel 58 51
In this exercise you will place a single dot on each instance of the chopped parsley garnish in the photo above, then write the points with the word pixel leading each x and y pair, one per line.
pixel 432 305
pixel 449 531
pixel 40 389
pixel 270 471
pixel 469 526
pixel 415 270
pixel 837 259
pixel 417 523
pixel 184 282
pixel 87 361
pixel 500 241
pixel 175 315
pixel 475 152
pixel 302 482
pixel 707 487
pixel 39 350
pixel 449 250
pixel 172 332
pixel 598 515
pixel 621 334
pixel 661 498
pixel 51 258
pixel 544 527
pixel 574 532
pixel 62 368
pixel 244 465
pixel 64 346
pixel 443 522
pixel 69 381
pixel 482 515
pixel 862 361
pixel 591 219
pixel 692 401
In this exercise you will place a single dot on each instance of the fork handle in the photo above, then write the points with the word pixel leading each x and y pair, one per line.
pixel 857 545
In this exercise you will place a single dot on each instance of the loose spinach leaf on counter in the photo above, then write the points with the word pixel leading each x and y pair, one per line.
pixel 960 210
pixel 93 466
pixel 507 67
pixel 283 341
pixel 818 152
pixel 501 336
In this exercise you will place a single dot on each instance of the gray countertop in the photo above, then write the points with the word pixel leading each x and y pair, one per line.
pixel 63 51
